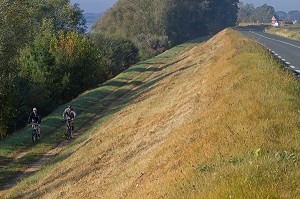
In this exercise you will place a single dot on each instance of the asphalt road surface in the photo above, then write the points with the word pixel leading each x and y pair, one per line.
pixel 287 50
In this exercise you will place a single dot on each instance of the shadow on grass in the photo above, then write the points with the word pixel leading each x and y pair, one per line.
pixel 153 62
pixel 145 88
pixel 36 193
pixel 4 161
pixel 6 175
pixel 21 139
pixel 136 83
pixel 109 113
pixel 175 62
pixel 116 83
pixel 54 128
pixel 94 102
pixel 153 69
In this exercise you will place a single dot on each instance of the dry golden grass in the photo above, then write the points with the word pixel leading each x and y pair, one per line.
pixel 220 122
pixel 289 31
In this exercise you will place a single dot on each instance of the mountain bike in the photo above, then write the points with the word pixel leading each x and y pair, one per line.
pixel 35 132
pixel 69 131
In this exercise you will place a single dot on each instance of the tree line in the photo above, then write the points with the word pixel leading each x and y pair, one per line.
pixel 47 58
pixel 293 15
pixel 156 25
pixel 263 14
pixel 249 14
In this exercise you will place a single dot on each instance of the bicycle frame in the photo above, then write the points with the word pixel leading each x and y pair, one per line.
pixel 69 129
pixel 35 131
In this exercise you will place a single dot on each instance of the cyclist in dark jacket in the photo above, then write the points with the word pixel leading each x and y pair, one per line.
pixel 34 117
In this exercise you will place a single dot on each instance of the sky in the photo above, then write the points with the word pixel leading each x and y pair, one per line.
pixel 98 6
pixel 94 6
pixel 279 5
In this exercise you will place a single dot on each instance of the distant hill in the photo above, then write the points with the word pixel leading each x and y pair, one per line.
pixel 91 19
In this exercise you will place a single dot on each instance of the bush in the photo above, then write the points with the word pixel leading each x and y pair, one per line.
pixel 114 54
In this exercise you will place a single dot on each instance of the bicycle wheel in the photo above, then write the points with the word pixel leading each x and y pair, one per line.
pixel 34 135
pixel 68 133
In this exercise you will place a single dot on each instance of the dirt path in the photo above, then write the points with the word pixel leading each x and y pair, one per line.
pixel 36 166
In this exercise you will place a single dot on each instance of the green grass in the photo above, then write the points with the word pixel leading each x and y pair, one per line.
pixel 88 105
pixel 241 141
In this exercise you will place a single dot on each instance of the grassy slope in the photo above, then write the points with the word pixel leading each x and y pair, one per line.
pixel 17 152
pixel 217 121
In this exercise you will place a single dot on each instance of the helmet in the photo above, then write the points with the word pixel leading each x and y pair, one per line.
pixel 70 108
pixel 34 109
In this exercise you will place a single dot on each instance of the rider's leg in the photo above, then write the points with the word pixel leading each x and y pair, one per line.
pixel 72 125
pixel 39 130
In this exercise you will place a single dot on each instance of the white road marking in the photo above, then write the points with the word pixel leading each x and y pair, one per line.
pixel 276 40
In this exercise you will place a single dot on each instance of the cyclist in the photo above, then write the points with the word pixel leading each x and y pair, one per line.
pixel 34 117
pixel 69 114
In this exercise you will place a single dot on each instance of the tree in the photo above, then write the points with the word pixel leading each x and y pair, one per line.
pixel 64 16
pixel 58 68
pixel 245 12
pixel 262 14
pixel 281 15
pixel 294 15
pixel 154 25
pixel 21 25
pixel 37 67
pixel 114 55
pixel 14 33
pixel 76 62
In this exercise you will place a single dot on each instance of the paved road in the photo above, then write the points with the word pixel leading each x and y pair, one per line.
pixel 286 49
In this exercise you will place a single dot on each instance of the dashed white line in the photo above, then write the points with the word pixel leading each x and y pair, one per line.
pixel 276 40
